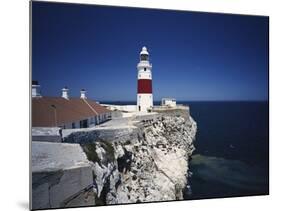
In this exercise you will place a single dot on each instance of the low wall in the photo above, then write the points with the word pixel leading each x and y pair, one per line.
pixel 47 138
pixel 179 110
pixel 125 108
pixel 89 135
pixel 146 116
pixel 61 176
pixel 46 134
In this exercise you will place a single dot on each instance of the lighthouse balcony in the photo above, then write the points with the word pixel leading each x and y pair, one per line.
pixel 144 64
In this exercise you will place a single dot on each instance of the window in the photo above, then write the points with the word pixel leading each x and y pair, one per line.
pixel 73 125
pixel 145 69
pixel 96 120
pixel 84 123
pixel 144 57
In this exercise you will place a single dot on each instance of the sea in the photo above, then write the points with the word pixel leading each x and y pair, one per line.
pixel 232 149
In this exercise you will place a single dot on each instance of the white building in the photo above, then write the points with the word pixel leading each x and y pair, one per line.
pixel 170 102
pixel 144 94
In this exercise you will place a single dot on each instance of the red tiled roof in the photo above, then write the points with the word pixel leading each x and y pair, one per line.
pixel 44 110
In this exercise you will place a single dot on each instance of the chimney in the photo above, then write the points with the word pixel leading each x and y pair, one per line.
pixel 65 93
pixel 35 89
pixel 83 94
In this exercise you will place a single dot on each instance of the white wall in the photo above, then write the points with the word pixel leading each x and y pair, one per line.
pixel 145 101
pixel 35 91
pixel 145 74
pixel 127 108
pixel 169 102
pixel 92 121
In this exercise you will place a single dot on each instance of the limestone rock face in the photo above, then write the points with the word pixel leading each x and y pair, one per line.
pixel 147 162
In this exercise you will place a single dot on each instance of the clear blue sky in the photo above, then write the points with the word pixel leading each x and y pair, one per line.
pixel 195 56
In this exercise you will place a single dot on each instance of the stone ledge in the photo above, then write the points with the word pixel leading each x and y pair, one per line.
pixel 60 172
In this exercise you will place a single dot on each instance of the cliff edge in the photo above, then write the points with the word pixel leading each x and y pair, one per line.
pixel 142 162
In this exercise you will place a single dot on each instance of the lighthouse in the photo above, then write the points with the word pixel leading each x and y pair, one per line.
pixel 144 95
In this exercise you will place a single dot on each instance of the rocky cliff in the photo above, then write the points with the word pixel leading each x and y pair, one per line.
pixel 144 161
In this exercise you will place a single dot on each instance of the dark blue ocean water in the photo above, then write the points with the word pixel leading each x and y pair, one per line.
pixel 232 149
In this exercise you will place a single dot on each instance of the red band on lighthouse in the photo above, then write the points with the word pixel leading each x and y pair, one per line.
pixel 144 86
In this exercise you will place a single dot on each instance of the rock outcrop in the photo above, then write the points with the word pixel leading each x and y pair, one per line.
pixel 146 161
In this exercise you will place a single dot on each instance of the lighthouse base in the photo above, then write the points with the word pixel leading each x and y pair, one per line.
pixel 144 102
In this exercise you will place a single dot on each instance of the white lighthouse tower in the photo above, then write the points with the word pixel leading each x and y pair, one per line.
pixel 144 95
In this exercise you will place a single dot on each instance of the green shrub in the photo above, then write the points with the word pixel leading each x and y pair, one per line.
pixel 107 146
pixel 90 150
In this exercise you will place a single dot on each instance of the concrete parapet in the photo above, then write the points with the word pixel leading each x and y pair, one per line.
pixel 61 176
pixel 147 116
pixel 124 108
pixel 107 133
pixel 46 134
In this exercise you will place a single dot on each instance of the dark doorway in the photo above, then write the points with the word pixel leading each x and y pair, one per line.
pixel 139 108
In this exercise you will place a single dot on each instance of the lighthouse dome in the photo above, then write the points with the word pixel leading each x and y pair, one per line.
pixel 144 50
